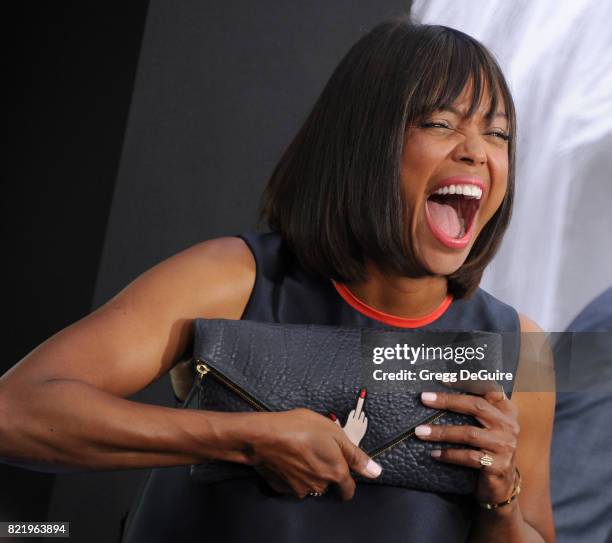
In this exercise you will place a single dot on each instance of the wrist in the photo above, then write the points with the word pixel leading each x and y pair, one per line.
pixel 507 512
pixel 234 437
pixel 511 496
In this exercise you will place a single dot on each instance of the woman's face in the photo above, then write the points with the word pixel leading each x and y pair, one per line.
pixel 454 176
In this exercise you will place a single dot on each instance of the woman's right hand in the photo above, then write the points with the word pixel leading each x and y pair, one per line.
pixel 302 452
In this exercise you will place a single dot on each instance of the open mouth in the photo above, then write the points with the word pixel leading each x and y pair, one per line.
pixel 451 210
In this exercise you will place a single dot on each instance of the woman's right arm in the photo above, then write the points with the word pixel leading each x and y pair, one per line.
pixel 63 406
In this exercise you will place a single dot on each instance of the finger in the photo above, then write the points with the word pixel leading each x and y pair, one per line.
pixel 273 480
pixel 362 416
pixel 472 386
pixel 471 458
pixel 468 404
pixel 492 391
pixel 496 393
pixel 319 487
pixel 303 484
pixel 346 486
pixel 333 417
pixel 281 483
pixel 278 486
pixel 480 438
pixel 357 460
pixel 351 414
pixel 360 402
pixel 499 399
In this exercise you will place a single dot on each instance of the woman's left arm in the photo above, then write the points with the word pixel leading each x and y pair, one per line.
pixel 514 433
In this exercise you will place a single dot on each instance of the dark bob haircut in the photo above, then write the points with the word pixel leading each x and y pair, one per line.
pixel 335 196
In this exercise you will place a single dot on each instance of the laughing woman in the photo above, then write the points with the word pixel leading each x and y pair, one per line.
pixel 384 212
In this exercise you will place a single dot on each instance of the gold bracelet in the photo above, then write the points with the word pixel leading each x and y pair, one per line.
pixel 515 492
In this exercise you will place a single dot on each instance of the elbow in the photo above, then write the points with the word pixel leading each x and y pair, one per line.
pixel 11 452
pixel 14 437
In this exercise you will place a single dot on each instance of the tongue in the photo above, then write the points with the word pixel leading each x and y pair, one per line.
pixel 445 218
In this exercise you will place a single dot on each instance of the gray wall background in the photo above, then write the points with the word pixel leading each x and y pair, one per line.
pixel 220 90
pixel 69 70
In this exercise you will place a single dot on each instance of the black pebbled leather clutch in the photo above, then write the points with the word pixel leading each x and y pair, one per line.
pixel 258 366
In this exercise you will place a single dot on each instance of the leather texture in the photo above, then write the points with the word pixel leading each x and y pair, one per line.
pixel 286 366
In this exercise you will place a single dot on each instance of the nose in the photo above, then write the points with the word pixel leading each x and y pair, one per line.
pixel 471 150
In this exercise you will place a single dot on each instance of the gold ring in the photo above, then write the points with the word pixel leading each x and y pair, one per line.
pixel 486 460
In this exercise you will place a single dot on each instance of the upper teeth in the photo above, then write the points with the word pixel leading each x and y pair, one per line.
pixel 467 190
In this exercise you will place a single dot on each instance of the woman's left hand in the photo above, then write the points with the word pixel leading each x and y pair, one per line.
pixel 497 438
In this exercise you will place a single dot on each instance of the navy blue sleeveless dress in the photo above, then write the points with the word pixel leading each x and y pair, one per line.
pixel 173 509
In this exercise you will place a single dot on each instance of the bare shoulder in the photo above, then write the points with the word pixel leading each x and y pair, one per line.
pixel 211 279
pixel 142 331
pixel 220 273
pixel 228 266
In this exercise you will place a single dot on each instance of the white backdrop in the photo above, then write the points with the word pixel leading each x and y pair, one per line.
pixel 557 57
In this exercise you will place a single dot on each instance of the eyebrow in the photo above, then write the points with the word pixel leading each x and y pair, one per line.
pixel 454 110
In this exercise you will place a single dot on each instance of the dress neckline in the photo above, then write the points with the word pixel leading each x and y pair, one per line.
pixel 387 318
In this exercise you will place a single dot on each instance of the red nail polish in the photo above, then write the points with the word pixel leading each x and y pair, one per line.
pixel 332 416
pixel 362 394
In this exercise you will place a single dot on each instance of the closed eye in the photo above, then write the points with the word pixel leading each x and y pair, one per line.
pixel 499 134
pixel 441 124
pixel 434 124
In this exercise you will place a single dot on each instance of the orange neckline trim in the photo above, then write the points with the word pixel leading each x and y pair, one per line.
pixel 387 318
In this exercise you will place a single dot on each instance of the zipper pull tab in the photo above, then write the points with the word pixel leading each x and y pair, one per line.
pixel 202 369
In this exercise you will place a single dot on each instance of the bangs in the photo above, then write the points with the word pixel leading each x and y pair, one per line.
pixel 449 62
pixel 336 194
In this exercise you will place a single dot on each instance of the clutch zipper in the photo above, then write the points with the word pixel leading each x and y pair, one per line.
pixel 404 436
pixel 204 369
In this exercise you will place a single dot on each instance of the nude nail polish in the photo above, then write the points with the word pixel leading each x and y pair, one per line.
pixel 422 430
pixel 373 468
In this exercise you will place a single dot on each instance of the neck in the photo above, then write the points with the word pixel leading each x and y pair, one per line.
pixel 406 297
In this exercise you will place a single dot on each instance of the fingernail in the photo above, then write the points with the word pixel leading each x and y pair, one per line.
pixel 422 430
pixel 436 453
pixel 373 468
pixel 332 416
pixel 362 394
pixel 428 396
